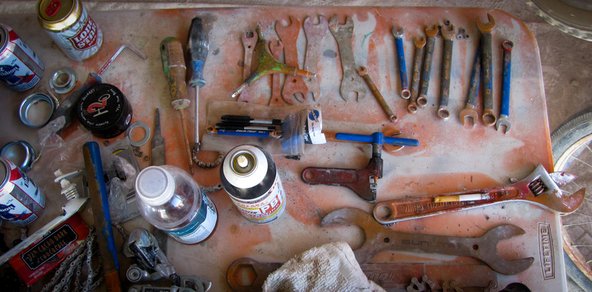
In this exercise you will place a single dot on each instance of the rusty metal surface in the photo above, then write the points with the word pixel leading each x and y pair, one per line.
pixel 450 158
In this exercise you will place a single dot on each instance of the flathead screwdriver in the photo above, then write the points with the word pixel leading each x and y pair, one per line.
pixel 198 47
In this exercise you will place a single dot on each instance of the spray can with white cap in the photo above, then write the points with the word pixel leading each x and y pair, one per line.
pixel 172 201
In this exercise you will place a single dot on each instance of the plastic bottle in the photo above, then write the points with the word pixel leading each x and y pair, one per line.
pixel 172 201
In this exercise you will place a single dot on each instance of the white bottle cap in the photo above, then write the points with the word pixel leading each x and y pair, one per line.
pixel 155 185
pixel 245 166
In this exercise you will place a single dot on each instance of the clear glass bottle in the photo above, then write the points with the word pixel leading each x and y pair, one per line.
pixel 172 201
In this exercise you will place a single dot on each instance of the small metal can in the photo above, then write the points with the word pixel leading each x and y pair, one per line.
pixel 20 68
pixel 71 28
pixel 21 201
pixel 250 177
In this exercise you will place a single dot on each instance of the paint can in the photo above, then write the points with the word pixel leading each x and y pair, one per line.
pixel 21 201
pixel 250 177
pixel 104 110
pixel 67 22
pixel 20 68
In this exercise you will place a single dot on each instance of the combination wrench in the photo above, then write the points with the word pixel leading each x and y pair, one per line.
pixel 351 82
pixel 469 115
pixel 294 85
pixel 431 33
pixel 503 121
pixel 399 35
pixel 419 44
pixel 488 116
pixel 448 34
pixel 315 33
pixel 363 72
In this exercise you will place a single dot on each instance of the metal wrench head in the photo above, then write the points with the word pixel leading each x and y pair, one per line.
pixel 419 42
pixel 346 28
pixel 488 26
pixel 507 45
pixel 487 243
pixel 432 31
pixel 443 112
pixel 503 124
pixel 448 32
pixel 398 32
pixel 468 116
pixel 309 22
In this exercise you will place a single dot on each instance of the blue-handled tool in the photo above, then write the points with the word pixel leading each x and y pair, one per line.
pixel 363 182
pixel 399 35
pixel 503 121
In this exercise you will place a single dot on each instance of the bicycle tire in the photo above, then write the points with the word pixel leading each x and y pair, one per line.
pixel 567 139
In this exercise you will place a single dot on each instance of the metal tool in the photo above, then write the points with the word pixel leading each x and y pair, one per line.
pixel 425 284
pixel 448 34
pixel 158 155
pixel 120 50
pixel 276 47
pixel 431 33
pixel 503 121
pixel 152 262
pixel 415 78
pixel 399 36
pixel 249 41
pixel 315 33
pixel 350 81
pixel 378 238
pixel 488 115
pixel 268 65
pixel 469 115
pixel 294 85
pixel 188 284
pixel 173 66
pixel 363 182
pixel 538 188
pixel 363 72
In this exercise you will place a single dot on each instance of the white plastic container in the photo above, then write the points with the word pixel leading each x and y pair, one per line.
pixel 172 201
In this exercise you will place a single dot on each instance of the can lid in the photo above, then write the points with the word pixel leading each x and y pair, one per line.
pixel 36 110
pixel 58 15
pixel 245 166
pixel 20 152
pixel 155 186
pixel 101 108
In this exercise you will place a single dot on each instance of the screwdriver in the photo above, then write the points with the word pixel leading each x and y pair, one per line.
pixel 173 66
pixel 198 47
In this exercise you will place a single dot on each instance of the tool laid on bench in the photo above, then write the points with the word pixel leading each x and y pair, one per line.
pixel 431 33
pixel 503 122
pixel 448 34
pixel 399 35
pixel 363 72
pixel 488 115
pixel 419 44
pixel 539 188
pixel 364 181
pixel 468 115
pixel 294 86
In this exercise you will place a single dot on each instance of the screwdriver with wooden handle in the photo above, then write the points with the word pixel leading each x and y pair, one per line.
pixel 173 66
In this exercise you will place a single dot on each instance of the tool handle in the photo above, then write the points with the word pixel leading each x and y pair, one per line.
pixel 376 138
pixel 427 66
pixel 507 76
pixel 173 66
pixel 475 82
pixel 487 70
pixel 198 47
pixel 446 71
pixel 402 64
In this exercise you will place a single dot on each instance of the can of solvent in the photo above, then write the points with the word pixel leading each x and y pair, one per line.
pixel 71 28
pixel 21 201
pixel 20 68
pixel 250 177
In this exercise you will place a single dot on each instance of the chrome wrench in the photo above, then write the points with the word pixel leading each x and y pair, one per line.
pixel 503 121
pixel 417 62
pixel 431 33
pixel 314 32
pixel 294 86
pixel 488 116
pixel 448 34
pixel 399 37
pixel 351 82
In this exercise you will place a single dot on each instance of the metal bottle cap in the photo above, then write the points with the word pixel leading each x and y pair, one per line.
pixel 245 166
pixel 21 153
pixel 36 110
pixel 155 185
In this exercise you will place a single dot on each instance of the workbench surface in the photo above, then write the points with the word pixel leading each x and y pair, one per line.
pixel 450 158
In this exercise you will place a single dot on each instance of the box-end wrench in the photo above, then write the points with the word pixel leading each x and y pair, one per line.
pixel 344 35
pixel 503 121
pixel 488 116
pixel 315 33
pixel 379 238
pixel 448 34
pixel 431 33
pixel 294 86
pixel 399 35
pixel 419 44
pixel 469 115
pixel 363 71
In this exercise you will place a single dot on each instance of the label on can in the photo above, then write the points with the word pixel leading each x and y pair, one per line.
pixel 21 202
pixel 201 226
pixel 81 40
pixel 267 207
pixel 20 68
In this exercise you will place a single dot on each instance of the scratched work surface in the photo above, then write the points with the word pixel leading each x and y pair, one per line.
pixel 450 157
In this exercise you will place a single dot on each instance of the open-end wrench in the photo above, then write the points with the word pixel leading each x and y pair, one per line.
pixel 314 32
pixel 351 82
pixel 363 71
pixel 249 40
pixel 417 62
pixel 294 86
pixel 448 34
pixel 276 47
pixel 503 121
pixel 431 33
pixel 399 37
pixel 469 115
pixel 488 116
pixel 380 238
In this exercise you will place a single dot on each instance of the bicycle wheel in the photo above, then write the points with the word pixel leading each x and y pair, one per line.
pixel 572 152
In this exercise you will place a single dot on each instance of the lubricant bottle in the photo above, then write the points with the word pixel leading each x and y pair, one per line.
pixel 172 201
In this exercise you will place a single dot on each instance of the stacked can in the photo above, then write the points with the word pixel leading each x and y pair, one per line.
pixel 21 202
pixel 20 68
pixel 250 177
pixel 71 28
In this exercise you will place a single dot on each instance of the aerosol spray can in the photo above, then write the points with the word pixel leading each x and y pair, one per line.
pixel 250 177
pixel 20 68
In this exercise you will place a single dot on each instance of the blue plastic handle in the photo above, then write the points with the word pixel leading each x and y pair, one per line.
pixel 402 64
pixel 377 138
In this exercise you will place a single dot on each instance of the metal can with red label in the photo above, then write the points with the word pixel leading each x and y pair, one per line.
pixel 250 177
pixel 20 68
pixel 21 201
pixel 71 28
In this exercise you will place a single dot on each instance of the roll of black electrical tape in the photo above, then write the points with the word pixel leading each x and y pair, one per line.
pixel 104 110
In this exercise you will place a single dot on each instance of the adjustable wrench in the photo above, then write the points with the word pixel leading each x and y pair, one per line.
pixel 469 115
pixel 417 62
pixel 431 33
pixel 488 116
pixel 448 34
pixel 276 47
pixel 351 82
pixel 378 238
pixel 314 37
pixel 507 76
pixel 399 36
pixel 294 86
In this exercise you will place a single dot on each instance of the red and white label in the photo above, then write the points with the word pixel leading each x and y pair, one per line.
pixel 86 37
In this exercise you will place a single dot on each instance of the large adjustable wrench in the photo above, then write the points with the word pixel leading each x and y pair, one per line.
pixel 488 116
pixel 351 82
pixel 294 86
pixel 380 238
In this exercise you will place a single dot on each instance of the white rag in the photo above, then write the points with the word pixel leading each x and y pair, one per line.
pixel 331 267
